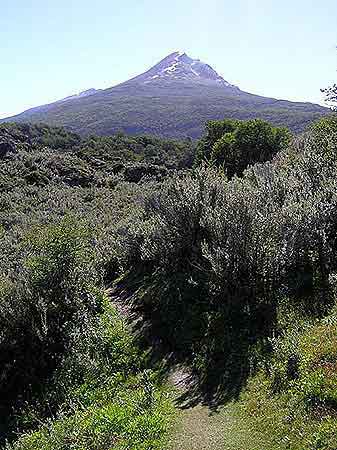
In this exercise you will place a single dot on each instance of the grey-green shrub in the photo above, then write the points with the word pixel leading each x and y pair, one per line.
pixel 214 255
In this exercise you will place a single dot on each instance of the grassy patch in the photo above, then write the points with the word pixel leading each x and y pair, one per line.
pixel 301 412
pixel 123 414
pixel 111 401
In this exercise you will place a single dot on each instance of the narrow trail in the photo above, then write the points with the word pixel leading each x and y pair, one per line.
pixel 197 426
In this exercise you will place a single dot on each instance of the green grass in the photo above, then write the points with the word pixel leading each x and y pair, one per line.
pixel 297 409
pixel 197 430
pixel 119 417
pixel 276 410
pixel 230 428
pixel 119 404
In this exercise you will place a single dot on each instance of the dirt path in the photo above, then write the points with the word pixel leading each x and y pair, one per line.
pixel 200 428
pixel 197 427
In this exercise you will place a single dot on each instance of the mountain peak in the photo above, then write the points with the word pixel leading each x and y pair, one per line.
pixel 178 66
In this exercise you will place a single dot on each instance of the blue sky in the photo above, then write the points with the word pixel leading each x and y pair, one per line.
pixel 51 49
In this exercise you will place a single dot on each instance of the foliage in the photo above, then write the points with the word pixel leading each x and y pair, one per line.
pixel 39 310
pixel 294 399
pixel 213 257
pixel 238 277
pixel 331 94
pixel 234 145
pixel 40 135
pixel 108 401
pixel 65 354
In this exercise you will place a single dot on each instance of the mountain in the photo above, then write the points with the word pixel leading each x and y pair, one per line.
pixel 179 66
pixel 174 98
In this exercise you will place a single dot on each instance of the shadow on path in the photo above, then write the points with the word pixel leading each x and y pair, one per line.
pixel 225 374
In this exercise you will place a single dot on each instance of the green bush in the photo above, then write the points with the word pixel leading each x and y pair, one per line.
pixel 40 310
pixel 99 347
pixel 213 256
pixel 210 261
pixel 235 145
pixel 122 421
pixel 301 413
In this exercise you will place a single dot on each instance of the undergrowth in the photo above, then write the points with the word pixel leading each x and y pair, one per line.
pixel 109 399
pixel 293 399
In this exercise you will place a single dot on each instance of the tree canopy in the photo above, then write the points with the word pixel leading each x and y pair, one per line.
pixel 235 145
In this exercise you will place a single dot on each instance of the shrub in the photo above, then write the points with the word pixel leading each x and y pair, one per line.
pixel 301 412
pixel 234 145
pixel 99 347
pixel 214 256
pixel 39 311
pixel 105 399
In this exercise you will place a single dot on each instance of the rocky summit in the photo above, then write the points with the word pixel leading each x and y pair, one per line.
pixel 179 66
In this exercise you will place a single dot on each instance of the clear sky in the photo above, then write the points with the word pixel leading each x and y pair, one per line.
pixel 54 48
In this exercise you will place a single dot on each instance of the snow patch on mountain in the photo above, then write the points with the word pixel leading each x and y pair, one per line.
pixel 179 66
pixel 82 94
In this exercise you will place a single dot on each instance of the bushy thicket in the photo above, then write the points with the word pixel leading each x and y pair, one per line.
pixel 95 162
pixel 41 306
pixel 215 256
pixel 33 136
pixel 234 144
pixel 97 150
pixel 61 345
pixel 105 399
pixel 100 179
pixel 68 362
pixel 211 260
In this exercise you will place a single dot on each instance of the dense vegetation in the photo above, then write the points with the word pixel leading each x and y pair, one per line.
pixel 64 352
pixel 235 268
pixel 234 144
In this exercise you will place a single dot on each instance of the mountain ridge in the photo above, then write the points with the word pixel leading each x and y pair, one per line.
pixel 174 98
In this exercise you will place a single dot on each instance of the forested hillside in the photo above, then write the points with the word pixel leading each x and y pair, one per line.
pixel 226 247
pixel 173 99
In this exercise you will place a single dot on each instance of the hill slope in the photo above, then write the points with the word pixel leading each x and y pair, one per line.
pixel 172 99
